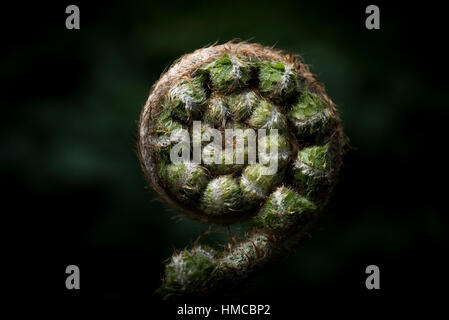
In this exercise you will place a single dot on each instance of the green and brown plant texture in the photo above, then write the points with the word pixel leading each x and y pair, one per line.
pixel 240 85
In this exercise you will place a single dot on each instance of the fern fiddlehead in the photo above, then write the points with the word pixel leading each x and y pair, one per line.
pixel 243 86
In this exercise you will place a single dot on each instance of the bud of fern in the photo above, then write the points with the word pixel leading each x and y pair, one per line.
pixel 241 86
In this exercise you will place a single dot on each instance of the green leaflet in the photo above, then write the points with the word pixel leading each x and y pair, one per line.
pixel 310 116
pixel 282 209
pixel 276 81
pixel 229 73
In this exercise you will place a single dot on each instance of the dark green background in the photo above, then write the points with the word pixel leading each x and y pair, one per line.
pixel 68 136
